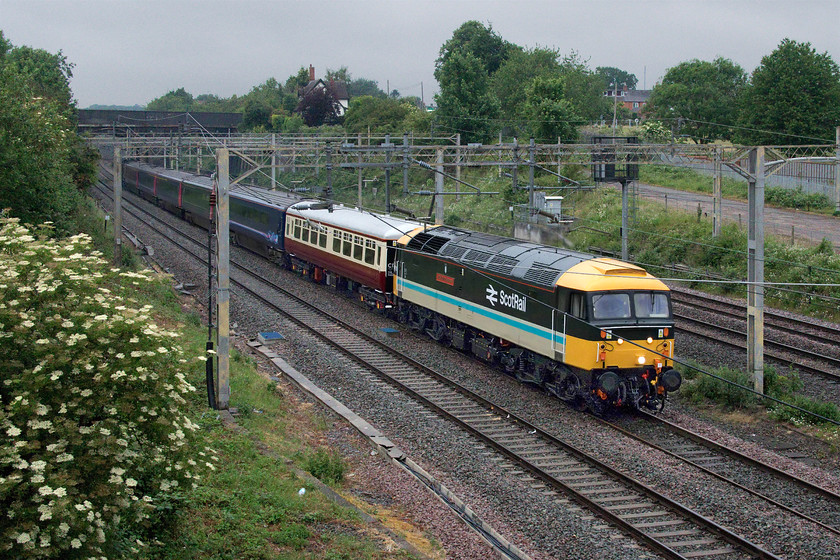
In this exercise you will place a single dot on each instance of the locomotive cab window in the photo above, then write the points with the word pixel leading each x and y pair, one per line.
pixel 612 305
pixel 651 305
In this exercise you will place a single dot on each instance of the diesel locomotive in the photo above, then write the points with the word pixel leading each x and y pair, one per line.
pixel 594 331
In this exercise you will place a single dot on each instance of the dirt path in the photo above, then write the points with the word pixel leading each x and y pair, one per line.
pixel 804 227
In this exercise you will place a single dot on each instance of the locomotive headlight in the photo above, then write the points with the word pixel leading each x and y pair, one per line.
pixel 650 340
pixel 641 360
pixel 620 341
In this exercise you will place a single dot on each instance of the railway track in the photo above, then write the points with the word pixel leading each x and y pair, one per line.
pixel 774 322
pixel 780 488
pixel 669 528
pixel 826 367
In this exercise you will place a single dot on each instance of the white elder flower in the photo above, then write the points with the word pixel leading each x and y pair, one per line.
pixel 13 431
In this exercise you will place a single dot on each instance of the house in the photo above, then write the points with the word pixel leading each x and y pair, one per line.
pixel 337 88
pixel 633 100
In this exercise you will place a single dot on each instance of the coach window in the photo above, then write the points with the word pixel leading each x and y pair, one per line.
pixel 336 241
pixel 322 238
pixel 305 232
pixel 370 252
pixel 358 247
pixel 348 244
pixel 297 229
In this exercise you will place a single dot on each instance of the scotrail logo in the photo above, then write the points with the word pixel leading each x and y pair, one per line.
pixel 514 301
pixel 491 295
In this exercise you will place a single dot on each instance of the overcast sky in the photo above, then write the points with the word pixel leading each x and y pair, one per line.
pixel 131 51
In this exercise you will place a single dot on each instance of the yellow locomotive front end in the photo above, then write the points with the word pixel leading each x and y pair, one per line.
pixel 625 338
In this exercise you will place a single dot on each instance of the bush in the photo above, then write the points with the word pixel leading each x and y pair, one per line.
pixel 326 467
pixel 96 448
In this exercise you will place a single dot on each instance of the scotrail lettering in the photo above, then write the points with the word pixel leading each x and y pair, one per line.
pixel 514 300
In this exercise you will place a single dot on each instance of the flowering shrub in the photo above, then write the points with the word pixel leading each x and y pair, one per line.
pixel 94 441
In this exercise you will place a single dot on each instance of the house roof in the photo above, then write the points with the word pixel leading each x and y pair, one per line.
pixel 338 89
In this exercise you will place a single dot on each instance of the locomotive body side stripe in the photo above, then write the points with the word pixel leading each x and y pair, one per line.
pixel 530 328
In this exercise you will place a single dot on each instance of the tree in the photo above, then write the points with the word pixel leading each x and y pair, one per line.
pixel 176 100
pixel 363 86
pixel 482 42
pixel 340 75
pixel 256 115
pixel 319 107
pixel 793 98
pixel 510 81
pixel 703 95
pixel 465 103
pixel 612 75
pixel 550 115
pixel 375 114
pixel 583 88
pixel 47 74
pixel 36 146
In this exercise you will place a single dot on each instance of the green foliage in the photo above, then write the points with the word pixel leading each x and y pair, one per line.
pixel 796 198
pixel 701 97
pixel 37 145
pixel 384 115
pixel 176 100
pixel 326 467
pixel 515 74
pixel 465 103
pixel 583 88
pixel 481 42
pixel 699 388
pixel 289 125
pixel 655 131
pixel 793 97
pixel 362 86
pixel 550 114
pixel 47 74
pixel 256 115
pixel 611 75
pixel 92 393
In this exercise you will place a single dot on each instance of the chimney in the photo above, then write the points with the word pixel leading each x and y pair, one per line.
pixel 311 73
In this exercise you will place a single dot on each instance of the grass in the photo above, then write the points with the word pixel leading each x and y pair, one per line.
pixel 700 389
pixel 684 179
pixel 251 506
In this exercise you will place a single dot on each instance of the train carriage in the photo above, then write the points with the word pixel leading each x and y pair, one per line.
pixel 346 248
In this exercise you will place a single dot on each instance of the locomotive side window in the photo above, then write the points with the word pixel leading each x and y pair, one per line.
pixel 577 305
pixel 651 305
pixel 611 306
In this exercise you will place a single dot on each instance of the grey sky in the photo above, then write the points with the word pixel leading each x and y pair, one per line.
pixel 131 51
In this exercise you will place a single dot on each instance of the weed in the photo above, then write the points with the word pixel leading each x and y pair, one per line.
pixel 325 466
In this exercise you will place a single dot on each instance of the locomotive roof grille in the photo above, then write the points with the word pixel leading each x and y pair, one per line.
pixel 502 264
pixel 542 274
pixel 427 243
